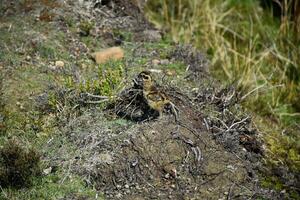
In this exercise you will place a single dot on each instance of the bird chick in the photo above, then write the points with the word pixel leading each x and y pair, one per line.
pixel 156 99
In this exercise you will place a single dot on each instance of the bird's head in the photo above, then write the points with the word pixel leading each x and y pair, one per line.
pixel 143 80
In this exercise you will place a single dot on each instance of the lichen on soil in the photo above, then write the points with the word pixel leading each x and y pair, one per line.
pixel 213 151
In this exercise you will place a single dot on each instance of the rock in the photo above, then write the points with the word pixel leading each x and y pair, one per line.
pixel 28 58
pixel 164 62
pixel 47 171
pixel 170 72
pixel 59 63
pixel 83 66
pixel 113 53
pixel 155 62
pixel 152 35
pixel 155 71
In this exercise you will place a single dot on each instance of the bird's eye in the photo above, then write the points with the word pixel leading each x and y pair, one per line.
pixel 146 77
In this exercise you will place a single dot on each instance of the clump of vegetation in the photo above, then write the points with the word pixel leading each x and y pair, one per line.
pixel 100 80
pixel 18 164
pixel 85 27
pixel 107 82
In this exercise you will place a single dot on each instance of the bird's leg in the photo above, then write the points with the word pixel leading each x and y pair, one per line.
pixel 174 110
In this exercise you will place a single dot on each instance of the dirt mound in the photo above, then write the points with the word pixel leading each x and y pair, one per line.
pixel 165 159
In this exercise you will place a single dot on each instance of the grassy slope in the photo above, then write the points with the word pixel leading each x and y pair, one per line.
pixel 256 52
pixel 23 80
pixel 26 73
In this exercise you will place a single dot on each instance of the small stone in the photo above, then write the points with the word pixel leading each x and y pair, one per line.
pixel 169 72
pixel 173 172
pixel 152 35
pixel 28 58
pixel 83 66
pixel 225 193
pixel 21 106
pixel 59 63
pixel 164 62
pixel 195 89
pixel 52 67
pixel 167 175
pixel 137 187
pixel 47 171
pixel 126 186
pixel 155 62
pixel 230 167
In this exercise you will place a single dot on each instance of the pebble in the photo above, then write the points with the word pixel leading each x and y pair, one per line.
pixel 167 175
pixel 164 62
pixel 137 187
pixel 47 171
pixel 83 66
pixel 28 58
pixel 152 35
pixel 126 186
pixel 59 63
pixel 155 62
pixel 169 72
pixel 195 89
